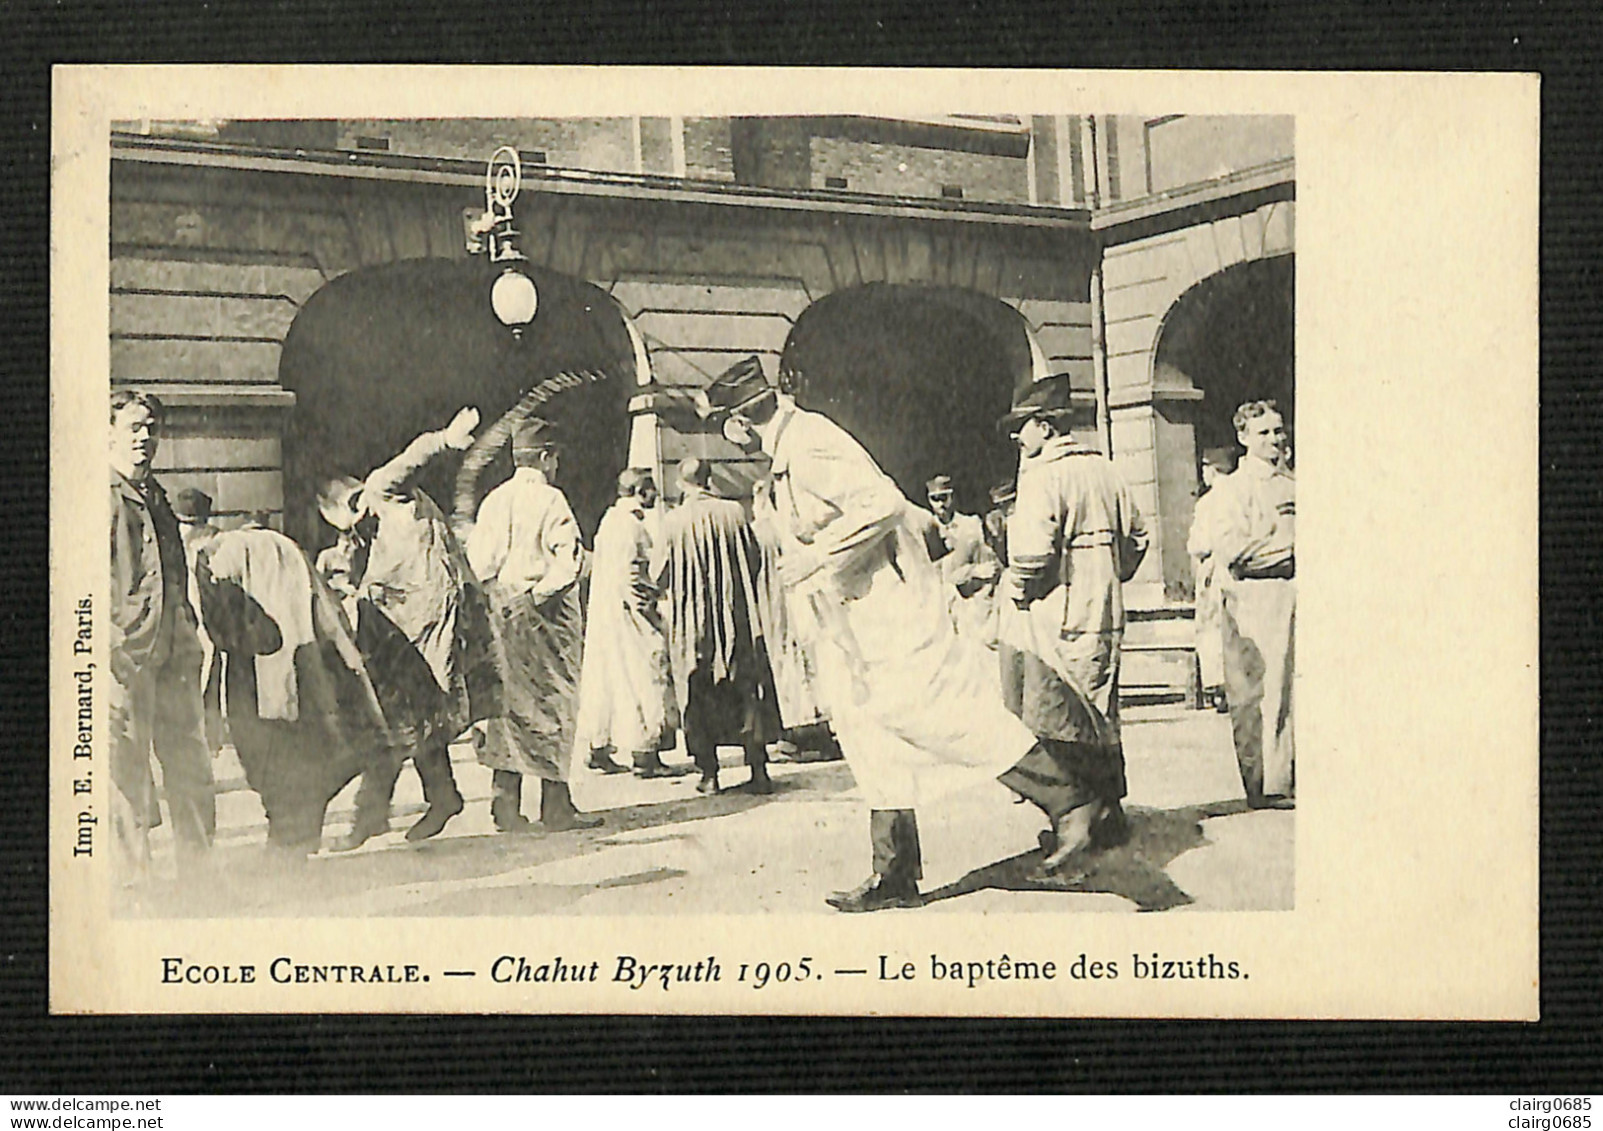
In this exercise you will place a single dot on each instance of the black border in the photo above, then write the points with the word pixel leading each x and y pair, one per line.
pixel 397 1054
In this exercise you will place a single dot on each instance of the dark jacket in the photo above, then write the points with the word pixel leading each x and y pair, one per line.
pixel 151 618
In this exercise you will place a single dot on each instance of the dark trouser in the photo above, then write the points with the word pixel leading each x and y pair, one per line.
pixel 893 835
pixel 294 789
pixel 723 712
pixel 706 756
pixel 1062 776
pixel 159 710
pixel 433 764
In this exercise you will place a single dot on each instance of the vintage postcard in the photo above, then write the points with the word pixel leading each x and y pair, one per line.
pixel 797 541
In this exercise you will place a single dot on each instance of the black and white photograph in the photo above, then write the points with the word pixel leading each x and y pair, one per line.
pixel 640 515
pixel 858 521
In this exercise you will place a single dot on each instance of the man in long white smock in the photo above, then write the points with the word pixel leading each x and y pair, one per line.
pixel 525 550
pixel 913 704
pixel 623 690
pixel 1256 548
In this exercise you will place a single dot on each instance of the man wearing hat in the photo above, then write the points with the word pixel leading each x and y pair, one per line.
pixel 1205 521
pixel 914 706
pixel 710 567
pixel 1255 548
pixel 1074 538
pixel 525 548
pixel 398 554
pixel 192 507
pixel 968 567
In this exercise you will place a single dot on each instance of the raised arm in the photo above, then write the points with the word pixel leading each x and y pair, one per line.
pixel 393 477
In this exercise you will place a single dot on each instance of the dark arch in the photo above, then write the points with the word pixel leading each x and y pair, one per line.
pixel 919 375
pixel 383 353
pixel 1232 336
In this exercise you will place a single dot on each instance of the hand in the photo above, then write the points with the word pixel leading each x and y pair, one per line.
pixel 797 564
pixel 459 433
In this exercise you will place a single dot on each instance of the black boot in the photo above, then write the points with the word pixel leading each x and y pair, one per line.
pixel 601 759
pixel 557 813
pixel 757 761
pixel 439 790
pixel 898 865
pixel 649 764
pixel 506 802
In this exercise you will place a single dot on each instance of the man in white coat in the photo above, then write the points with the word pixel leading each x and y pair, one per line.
pixel 623 685
pixel 1255 545
pixel 914 705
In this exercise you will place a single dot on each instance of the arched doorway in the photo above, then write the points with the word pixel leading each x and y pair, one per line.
pixel 919 375
pixel 1230 337
pixel 384 353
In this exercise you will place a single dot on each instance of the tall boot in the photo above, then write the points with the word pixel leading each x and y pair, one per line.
pixel 757 762
pixel 373 796
pixel 898 865
pixel 433 767
pixel 506 802
pixel 557 813
pixel 1046 776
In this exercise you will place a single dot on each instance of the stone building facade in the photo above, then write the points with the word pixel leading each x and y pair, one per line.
pixel 1128 252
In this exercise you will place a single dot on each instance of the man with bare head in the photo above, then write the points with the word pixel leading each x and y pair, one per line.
pixel 968 567
pixel 710 567
pixel 154 693
pixel 623 688
pixel 525 548
pixel 1255 548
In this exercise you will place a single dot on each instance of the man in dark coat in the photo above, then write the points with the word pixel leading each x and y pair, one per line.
pixel 710 568
pixel 154 700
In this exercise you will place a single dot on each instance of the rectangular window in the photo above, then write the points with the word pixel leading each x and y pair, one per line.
pixel 532 156
pixel 952 192
pixel 372 143
pixel 834 182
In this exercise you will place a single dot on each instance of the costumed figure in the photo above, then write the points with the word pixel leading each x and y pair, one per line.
pixel 1205 521
pixel 711 569
pixel 913 704
pixel 525 547
pixel 1255 546
pixel 624 693
pixel 302 712
pixel 804 735
pixel 420 622
pixel 1074 539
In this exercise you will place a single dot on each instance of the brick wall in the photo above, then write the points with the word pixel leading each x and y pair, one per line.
pixel 902 170
pixel 573 143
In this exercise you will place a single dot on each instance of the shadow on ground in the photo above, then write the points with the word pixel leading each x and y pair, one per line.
pixel 253 880
pixel 1135 870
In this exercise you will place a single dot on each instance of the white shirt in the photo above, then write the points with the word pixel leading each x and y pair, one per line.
pixel 526 537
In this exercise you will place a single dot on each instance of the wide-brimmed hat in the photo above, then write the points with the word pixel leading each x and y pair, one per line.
pixel 737 386
pixel 1004 492
pixel 939 485
pixel 192 505
pixel 336 502
pixel 1052 398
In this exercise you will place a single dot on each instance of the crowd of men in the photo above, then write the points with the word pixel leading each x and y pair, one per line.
pixel 933 650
